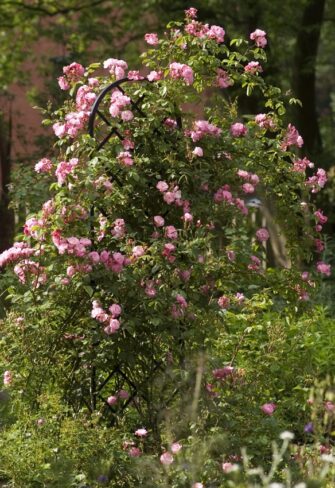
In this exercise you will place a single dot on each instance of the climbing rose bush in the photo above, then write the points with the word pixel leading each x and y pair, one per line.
pixel 146 249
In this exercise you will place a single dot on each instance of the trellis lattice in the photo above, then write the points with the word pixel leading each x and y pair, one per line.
pixel 97 115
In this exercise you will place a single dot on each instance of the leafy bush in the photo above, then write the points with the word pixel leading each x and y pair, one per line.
pixel 143 309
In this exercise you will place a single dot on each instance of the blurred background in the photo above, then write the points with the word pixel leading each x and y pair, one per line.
pixel 38 37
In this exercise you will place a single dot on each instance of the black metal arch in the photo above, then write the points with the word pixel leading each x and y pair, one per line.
pixel 95 112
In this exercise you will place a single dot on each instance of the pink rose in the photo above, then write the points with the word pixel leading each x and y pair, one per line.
pixel 269 408
pixel 115 310
pixel 151 39
pixel 138 251
pixel 134 452
pixel 259 37
pixel 171 232
pixel 176 447
pixel 166 458
pixel 141 432
pixel 7 378
pixel 262 235
pixel 123 394
pixel 159 221
pixel 191 13
pixel 112 400
pixel 323 268
pixel 223 302
pixel 238 129
pixel 253 67
pixel 162 186
pixel 198 151
pixel 63 83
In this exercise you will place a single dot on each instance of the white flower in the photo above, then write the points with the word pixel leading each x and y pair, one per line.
pixel 300 485
pixel 276 485
pixel 286 435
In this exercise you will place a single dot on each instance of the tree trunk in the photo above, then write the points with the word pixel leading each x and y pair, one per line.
pixel 305 74
pixel 6 215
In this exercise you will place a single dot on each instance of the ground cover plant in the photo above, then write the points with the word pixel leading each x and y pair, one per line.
pixel 149 339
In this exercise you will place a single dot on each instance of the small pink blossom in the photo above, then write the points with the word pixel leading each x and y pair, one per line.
pixel 179 70
pixel 112 327
pixel 85 98
pixel 159 221
pixel 319 245
pixel 317 181
pixel 181 301
pixel 223 194
pixel 171 232
pixel 162 186
pixel 135 75
pixel 255 263
pixel 155 75
pixel 187 217
pixel 300 165
pixel 115 310
pixel 248 188
pixel 127 115
pixel 224 302
pixel 222 373
pixel 264 121
pixel 65 168
pixel 112 400
pixel 123 394
pixel 125 158
pixel 93 82
pixel 184 275
pixel 59 129
pixel 268 408
pixel 198 151
pixel 116 67
pixel 151 39
pixel 259 36
pixel 166 458
pixel 74 71
pixel 262 235
pixel 7 378
pixel 138 251
pixel 222 79
pixel 323 268
pixel 135 452
pixel 141 432
pixel 227 467
pixel 238 129
pixel 322 219
pixel 63 83
pixel 217 33
pixel 118 102
pixel 253 67
pixel 170 123
pixel 202 128
pixel 291 138
pixel 240 298
pixel 176 447
pixel 167 252
pixel 191 13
